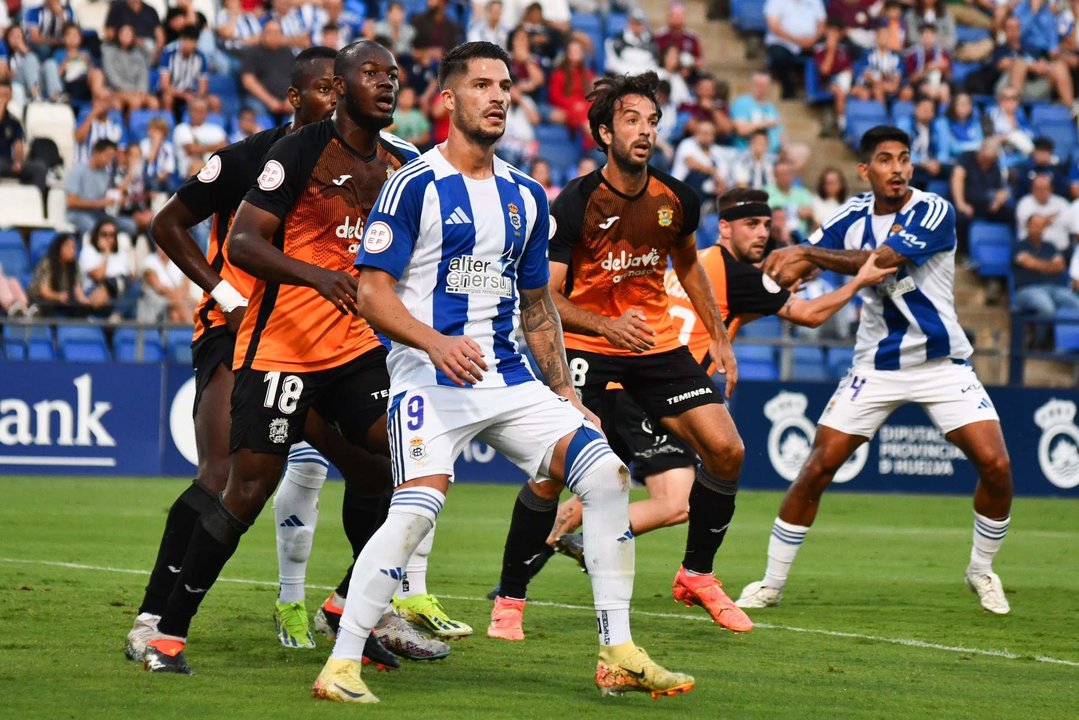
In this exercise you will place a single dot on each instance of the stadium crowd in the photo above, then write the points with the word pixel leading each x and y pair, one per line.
pixel 985 88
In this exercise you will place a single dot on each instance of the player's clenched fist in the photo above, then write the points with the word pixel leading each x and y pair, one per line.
pixel 458 357
pixel 786 265
pixel 630 332
pixel 339 288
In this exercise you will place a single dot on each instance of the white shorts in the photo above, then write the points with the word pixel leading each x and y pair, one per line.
pixel 948 392
pixel 429 427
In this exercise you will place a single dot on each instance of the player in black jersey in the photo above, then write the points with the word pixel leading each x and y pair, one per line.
pixel 217 191
pixel 296 352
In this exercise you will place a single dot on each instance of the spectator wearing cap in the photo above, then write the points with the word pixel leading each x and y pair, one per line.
pixel 979 190
pixel 634 51
pixel 185 73
pixel 834 56
pixel 677 35
pixel 397 30
pixel 794 26
pixel 44 26
pixel 266 73
pixel 143 19
pixel 1042 161
pixel 929 67
pixel 1046 211
pixel 126 63
pixel 434 29
pixel 928 149
pixel 858 18
pixel 13 160
pixel 490 27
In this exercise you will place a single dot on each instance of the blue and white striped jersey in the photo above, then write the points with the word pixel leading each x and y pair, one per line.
pixel 911 317
pixel 461 249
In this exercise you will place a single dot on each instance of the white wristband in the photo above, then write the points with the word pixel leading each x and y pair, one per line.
pixel 227 297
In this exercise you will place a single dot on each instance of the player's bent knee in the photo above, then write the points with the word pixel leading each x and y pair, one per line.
pixel 997 468
pixel 727 460
pixel 417 509
pixel 540 497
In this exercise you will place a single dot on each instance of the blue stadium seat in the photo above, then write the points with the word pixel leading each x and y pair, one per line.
pixel 708 232
pixel 85 343
pixel 960 71
pixel 15 260
pixel 757 370
pixel 616 24
pixel 226 88
pixel 179 342
pixel 903 114
pixel 556 145
pixel 991 246
pixel 839 361
pixel 861 116
pixel 811 371
pixel 139 120
pixel 765 327
pixel 754 353
pixel 11 240
pixel 748 15
pixel 969 34
pixel 1042 113
pixel 40 240
pixel 816 92
pixel 808 354
pixel 1066 329
pixel 28 342
pixel 1062 135
pixel 592 26
pixel 125 345
pixel 940 187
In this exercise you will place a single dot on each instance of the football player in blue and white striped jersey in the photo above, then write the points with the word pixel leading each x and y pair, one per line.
pixel 910 348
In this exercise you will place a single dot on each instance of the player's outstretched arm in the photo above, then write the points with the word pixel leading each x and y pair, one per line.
pixel 695 282
pixel 629 332
pixel 459 357
pixel 542 329
pixel 812 313
pixel 250 247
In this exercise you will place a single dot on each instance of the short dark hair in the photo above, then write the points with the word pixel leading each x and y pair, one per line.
pixel 455 62
pixel 301 65
pixel 875 136
pixel 608 93
pixel 741 195
pixel 190 32
pixel 759 131
pixel 102 145
pixel 1044 143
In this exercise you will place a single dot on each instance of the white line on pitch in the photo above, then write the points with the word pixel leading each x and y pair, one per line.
pixel 58 461
pixel 566 606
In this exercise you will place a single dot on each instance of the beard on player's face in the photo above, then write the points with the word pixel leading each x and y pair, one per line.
pixel 622 154
pixel 476 127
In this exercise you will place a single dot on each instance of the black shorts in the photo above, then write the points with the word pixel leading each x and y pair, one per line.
pixel 210 351
pixel 646 449
pixel 269 409
pixel 663 384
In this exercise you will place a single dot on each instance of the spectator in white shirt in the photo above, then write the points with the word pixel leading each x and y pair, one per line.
pixel 794 26
pixel 489 27
pixel 196 139
pixel 1041 206
pixel 166 291
pixel 756 168
pixel 634 51
pixel 700 163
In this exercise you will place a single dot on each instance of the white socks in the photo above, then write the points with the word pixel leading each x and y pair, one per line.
pixel 380 566
pixel 602 482
pixel 415 580
pixel 988 536
pixel 782 548
pixel 296 515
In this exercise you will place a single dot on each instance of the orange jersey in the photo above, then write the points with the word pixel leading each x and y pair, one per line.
pixel 616 248
pixel 217 190
pixel 323 191
pixel 740 288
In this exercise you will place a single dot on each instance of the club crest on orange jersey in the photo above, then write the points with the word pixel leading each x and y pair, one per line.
pixel 666 216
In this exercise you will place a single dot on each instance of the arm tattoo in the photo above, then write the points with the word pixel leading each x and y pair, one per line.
pixel 543 333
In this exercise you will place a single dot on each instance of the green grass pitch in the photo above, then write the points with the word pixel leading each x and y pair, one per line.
pixel 876 621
